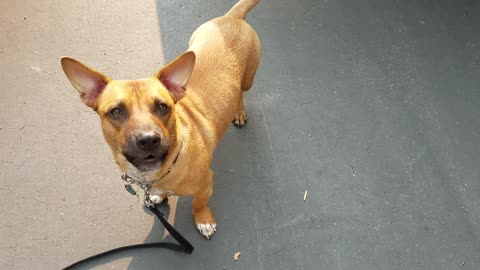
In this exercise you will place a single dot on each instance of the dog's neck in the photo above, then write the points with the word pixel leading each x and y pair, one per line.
pixel 138 175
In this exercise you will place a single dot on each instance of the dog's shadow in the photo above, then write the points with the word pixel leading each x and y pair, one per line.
pixel 149 258
pixel 162 258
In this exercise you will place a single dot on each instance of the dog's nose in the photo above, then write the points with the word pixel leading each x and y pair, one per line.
pixel 148 141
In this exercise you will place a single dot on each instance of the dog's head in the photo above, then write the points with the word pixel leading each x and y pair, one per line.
pixel 138 116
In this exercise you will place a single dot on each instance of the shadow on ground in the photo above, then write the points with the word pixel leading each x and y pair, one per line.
pixel 372 107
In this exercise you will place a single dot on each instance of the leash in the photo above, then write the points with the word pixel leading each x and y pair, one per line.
pixel 183 244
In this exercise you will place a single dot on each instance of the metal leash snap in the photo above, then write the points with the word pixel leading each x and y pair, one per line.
pixel 148 203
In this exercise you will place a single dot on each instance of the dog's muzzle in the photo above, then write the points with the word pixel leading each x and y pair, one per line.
pixel 146 151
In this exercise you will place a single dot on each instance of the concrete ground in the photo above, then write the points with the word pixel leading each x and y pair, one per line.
pixel 373 107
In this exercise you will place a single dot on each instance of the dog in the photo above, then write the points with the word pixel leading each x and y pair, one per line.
pixel 163 130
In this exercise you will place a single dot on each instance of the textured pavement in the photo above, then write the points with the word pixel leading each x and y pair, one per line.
pixel 371 106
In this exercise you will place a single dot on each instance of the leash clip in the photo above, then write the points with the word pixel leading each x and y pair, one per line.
pixel 148 203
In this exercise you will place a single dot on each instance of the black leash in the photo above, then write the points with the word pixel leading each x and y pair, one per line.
pixel 184 245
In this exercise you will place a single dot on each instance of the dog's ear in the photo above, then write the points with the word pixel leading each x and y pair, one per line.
pixel 176 74
pixel 89 83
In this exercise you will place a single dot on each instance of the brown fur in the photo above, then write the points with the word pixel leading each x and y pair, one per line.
pixel 226 55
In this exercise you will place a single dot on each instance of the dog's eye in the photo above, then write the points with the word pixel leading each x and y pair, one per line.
pixel 162 107
pixel 116 112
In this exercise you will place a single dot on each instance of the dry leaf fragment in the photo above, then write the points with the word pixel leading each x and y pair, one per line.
pixel 305 195
pixel 236 255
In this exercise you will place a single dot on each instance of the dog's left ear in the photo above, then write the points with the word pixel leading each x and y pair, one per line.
pixel 176 74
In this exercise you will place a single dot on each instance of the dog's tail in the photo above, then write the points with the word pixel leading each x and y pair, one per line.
pixel 241 8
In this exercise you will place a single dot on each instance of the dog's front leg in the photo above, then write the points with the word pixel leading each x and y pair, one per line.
pixel 157 196
pixel 158 199
pixel 204 218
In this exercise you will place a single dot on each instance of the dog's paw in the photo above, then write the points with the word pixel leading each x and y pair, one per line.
pixel 157 199
pixel 240 119
pixel 207 229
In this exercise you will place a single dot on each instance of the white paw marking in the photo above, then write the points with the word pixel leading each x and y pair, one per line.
pixel 156 199
pixel 207 229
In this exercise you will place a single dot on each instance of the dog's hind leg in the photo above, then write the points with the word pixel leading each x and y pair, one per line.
pixel 240 118
pixel 251 69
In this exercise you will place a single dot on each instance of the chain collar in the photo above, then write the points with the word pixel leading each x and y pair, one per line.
pixel 146 186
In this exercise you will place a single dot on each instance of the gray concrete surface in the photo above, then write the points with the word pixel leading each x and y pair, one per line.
pixel 371 106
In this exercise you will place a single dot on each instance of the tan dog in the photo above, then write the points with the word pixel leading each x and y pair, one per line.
pixel 164 129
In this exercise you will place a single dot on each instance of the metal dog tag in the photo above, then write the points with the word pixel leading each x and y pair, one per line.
pixel 130 189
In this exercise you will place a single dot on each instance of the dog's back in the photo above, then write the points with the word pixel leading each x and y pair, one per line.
pixel 227 52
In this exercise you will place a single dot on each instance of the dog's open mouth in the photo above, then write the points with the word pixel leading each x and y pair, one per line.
pixel 147 162
pixel 150 158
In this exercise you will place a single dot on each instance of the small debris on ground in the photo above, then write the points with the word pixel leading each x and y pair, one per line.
pixel 236 255
pixel 305 195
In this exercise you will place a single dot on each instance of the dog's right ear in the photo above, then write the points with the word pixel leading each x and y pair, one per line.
pixel 175 75
pixel 89 83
